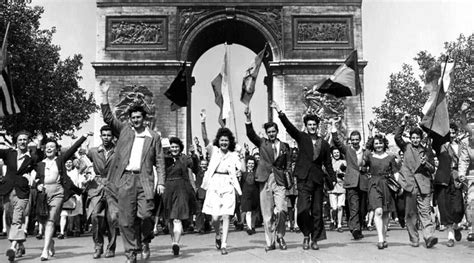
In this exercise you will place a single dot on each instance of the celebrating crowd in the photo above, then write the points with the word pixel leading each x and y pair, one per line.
pixel 134 185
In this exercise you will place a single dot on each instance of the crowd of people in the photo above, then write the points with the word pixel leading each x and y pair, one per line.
pixel 159 187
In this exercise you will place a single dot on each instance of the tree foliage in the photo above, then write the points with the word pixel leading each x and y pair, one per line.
pixel 46 87
pixel 405 93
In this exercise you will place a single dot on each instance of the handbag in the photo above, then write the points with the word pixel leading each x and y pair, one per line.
pixel 42 209
pixel 289 182
pixel 70 204
pixel 392 184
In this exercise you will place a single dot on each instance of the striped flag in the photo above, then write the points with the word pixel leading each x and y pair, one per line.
pixel 7 98
pixel 221 86
pixel 248 83
pixel 436 117
pixel 345 80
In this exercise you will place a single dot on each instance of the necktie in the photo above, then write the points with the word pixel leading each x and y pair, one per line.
pixel 275 151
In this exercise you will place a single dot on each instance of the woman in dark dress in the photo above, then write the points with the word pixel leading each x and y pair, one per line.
pixel 179 198
pixel 381 199
pixel 250 194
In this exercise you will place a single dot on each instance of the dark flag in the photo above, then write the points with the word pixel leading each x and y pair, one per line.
pixel 7 98
pixel 345 80
pixel 178 90
pixel 435 121
pixel 248 83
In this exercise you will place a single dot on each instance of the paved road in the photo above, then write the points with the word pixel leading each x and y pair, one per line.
pixel 339 247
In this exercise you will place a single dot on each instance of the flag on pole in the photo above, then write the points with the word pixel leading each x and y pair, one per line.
pixel 178 90
pixel 436 117
pixel 221 86
pixel 345 80
pixel 248 83
pixel 7 98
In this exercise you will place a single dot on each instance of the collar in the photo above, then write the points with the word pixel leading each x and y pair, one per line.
pixel 47 160
pixel 22 155
pixel 145 133
pixel 101 148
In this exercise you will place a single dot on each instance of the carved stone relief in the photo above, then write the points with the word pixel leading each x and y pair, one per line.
pixel 134 95
pixel 322 32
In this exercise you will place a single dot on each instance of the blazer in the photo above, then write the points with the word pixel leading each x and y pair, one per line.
pixel 100 165
pixel 13 178
pixel 152 155
pixel 412 171
pixel 268 163
pixel 69 187
pixel 466 160
pixel 353 176
pixel 305 165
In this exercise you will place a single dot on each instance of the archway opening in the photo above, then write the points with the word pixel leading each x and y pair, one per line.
pixel 206 68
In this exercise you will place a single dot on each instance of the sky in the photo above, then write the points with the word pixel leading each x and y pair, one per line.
pixel 393 31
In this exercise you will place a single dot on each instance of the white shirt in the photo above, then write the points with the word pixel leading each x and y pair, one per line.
pixel 51 172
pixel 276 146
pixel 134 163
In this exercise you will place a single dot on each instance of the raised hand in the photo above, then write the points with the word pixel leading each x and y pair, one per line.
pixel 275 106
pixel 202 115
pixel 405 119
pixel 248 114
pixel 464 106
pixel 104 86
pixel 371 125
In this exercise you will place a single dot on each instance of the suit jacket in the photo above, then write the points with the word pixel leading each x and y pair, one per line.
pixel 268 163
pixel 14 176
pixel 466 160
pixel 152 155
pixel 101 165
pixel 353 176
pixel 69 187
pixel 412 171
pixel 305 165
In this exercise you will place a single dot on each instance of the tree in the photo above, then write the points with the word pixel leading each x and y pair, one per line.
pixel 405 93
pixel 46 87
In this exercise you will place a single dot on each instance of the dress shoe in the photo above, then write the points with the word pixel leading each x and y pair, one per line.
pixel 357 234
pixel 314 245
pixel 339 229
pixel 61 236
pixel 281 243
pixel 414 244
pixel 457 234
pixel 385 244
pixel 11 254
pixel 175 249
pixel 306 243
pixel 109 254
pixel 132 257
pixel 98 252
pixel 218 243
pixel 470 237
pixel 251 231
pixel 224 251
pixel 39 236
pixel 450 243
pixel 380 245
pixel 269 248
pixel 431 241
pixel 145 251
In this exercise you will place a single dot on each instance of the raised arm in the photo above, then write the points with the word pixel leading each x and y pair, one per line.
pixel 290 128
pixel 109 118
pixel 463 116
pixel 335 137
pixel 203 128
pixel 70 152
pixel 399 135
pixel 328 163
pixel 253 137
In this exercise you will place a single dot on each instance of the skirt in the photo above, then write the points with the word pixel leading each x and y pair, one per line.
pixel 220 196
pixel 179 200
pixel 250 198
pixel 380 195
pixel 450 204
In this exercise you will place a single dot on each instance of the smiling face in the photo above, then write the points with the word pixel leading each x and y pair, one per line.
pixel 203 165
pixel 336 154
pixel 175 149
pixel 415 139
pixel 22 142
pixel 272 133
pixel 68 165
pixel 355 141
pixel 312 127
pixel 137 119
pixel 379 146
pixel 250 165
pixel 50 149
pixel 224 143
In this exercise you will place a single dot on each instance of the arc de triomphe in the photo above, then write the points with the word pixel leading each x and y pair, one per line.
pixel 144 42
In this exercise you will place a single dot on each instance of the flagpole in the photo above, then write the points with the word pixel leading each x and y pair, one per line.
pixel 231 98
pixel 362 116
pixel 437 94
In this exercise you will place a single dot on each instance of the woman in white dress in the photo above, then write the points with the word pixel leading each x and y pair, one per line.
pixel 221 182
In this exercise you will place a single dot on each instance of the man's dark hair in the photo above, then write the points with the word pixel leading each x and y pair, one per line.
pixel 416 130
pixel 454 126
pixel 137 108
pixel 311 117
pixel 105 128
pixel 270 124
pixel 354 133
pixel 22 132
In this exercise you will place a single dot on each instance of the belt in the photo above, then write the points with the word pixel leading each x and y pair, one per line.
pixel 221 172
pixel 132 172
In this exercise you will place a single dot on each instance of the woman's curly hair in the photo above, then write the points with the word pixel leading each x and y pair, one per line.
pixel 381 138
pixel 227 133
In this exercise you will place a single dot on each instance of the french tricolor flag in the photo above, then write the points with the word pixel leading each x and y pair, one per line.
pixel 345 80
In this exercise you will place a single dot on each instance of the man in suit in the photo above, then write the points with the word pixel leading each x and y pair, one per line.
pixel 355 179
pixel 270 174
pixel 415 179
pixel 15 190
pixel 314 152
pixel 131 176
pixel 104 215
